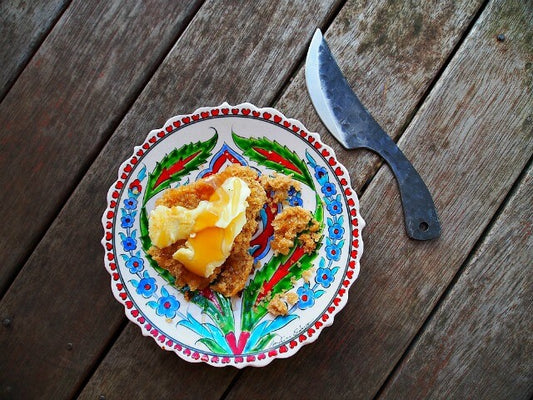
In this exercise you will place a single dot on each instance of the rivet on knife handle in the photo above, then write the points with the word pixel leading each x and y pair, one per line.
pixel 349 121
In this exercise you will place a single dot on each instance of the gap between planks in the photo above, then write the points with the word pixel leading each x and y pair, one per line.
pixel 436 78
pixel 25 63
pixel 107 135
pixel 301 62
pixel 86 167
pixel 483 235
pixel 439 73
pixel 444 296
pixel 232 384
pixel 119 323
pixel 409 119
pixel 110 343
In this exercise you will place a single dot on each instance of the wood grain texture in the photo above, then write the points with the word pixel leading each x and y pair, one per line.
pixel 254 63
pixel 157 374
pixel 478 344
pixel 390 53
pixel 470 140
pixel 23 26
pixel 61 109
pixel 76 87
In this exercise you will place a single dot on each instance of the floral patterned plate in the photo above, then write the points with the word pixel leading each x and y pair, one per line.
pixel 209 327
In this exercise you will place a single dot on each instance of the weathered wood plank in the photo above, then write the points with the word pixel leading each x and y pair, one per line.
pixel 478 344
pixel 254 63
pixel 157 374
pixel 390 52
pixel 57 114
pixel 61 109
pixel 23 26
pixel 470 140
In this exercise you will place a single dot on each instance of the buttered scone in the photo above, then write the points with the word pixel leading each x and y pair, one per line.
pixel 201 232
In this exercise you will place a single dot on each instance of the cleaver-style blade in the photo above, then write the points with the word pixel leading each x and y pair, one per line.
pixel 352 125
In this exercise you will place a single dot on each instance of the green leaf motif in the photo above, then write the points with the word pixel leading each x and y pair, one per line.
pixel 274 156
pixel 252 312
pixel 212 345
pixel 223 317
pixel 264 341
pixel 147 243
pixel 176 164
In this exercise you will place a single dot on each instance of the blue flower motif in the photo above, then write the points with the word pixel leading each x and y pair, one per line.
pixel 129 243
pixel 130 203
pixel 146 286
pixel 295 201
pixel 333 251
pixel 135 264
pixel 329 189
pixel 306 297
pixel 335 229
pixel 321 174
pixel 324 276
pixel 334 206
pixel 295 197
pixel 167 306
pixel 126 221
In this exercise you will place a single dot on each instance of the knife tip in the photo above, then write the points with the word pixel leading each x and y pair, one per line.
pixel 317 34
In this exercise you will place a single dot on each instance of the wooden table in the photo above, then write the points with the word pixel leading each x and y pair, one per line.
pixel 82 82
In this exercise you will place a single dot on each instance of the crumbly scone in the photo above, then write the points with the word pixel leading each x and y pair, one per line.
pixel 280 185
pixel 308 274
pixel 291 297
pixel 291 222
pixel 279 304
pixel 231 276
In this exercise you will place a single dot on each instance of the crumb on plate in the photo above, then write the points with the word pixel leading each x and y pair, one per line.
pixel 291 222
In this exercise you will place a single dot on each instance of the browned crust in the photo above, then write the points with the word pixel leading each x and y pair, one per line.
pixel 290 223
pixel 230 278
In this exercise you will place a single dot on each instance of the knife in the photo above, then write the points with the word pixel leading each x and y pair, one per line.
pixel 353 126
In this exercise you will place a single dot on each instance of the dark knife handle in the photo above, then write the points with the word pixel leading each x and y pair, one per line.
pixel 421 219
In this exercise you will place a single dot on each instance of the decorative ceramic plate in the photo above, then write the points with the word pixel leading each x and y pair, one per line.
pixel 209 327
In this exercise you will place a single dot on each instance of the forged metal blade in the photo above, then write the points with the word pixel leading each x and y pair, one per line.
pixel 351 124
pixel 335 102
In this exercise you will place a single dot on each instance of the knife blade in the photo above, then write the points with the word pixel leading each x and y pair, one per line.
pixel 353 126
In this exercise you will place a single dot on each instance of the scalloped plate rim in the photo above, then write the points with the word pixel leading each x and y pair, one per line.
pixel 290 351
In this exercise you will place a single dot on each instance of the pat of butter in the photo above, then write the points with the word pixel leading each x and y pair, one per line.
pixel 210 228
